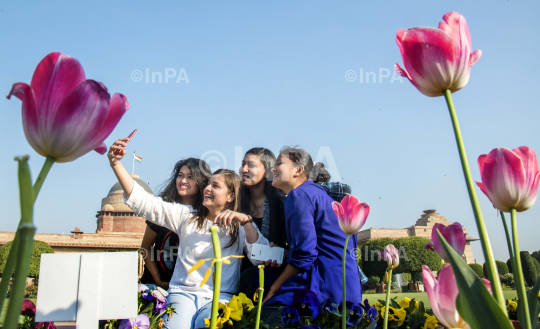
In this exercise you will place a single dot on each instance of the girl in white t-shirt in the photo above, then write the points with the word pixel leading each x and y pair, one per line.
pixel 237 233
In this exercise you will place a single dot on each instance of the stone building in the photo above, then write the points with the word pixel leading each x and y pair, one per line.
pixel 118 229
pixel 422 228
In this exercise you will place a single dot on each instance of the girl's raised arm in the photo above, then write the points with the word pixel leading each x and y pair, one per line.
pixel 125 180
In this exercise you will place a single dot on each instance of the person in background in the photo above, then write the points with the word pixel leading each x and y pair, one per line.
pixel 159 244
pixel 264 203
pixel 314 237
pixel 191 292
pixel 336 190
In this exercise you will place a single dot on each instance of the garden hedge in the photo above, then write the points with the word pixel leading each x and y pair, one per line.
pixel 536 265
pixel 371 265
pixel 529 270
pixel 414 248
pixel 39 248
pixel 477 268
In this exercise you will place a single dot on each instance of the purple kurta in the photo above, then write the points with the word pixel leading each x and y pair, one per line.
pixel 316 248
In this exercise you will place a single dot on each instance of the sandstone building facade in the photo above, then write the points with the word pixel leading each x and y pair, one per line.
pixel 422 228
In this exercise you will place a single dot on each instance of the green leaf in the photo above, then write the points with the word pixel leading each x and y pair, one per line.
pixel 534 306
pixel 372 325
pixel 474 301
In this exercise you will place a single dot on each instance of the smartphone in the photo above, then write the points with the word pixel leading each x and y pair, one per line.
pixel 264 253
pixel 129 138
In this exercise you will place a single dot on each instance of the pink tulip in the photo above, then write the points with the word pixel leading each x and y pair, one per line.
pixel 510 177
pixel 64 115
pixel 437 59
pixel 442 296
pixel 351 214
pixel 390 254
pixel 453 234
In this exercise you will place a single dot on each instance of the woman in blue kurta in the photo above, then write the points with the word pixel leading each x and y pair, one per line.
pixel 316 242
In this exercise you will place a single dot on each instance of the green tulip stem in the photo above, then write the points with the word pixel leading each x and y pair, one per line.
pixel 14 252
pixel 481 225
pixel 260 295
pixel 217 272
pixel 344 302
pixel 26 232
pixel 386 306
pixel 49 161
pixel 509 242
pixel 520 281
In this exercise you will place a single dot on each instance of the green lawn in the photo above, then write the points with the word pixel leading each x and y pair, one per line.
pixel 420 296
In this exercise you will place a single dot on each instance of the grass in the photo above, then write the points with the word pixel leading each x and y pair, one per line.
pixel 420 296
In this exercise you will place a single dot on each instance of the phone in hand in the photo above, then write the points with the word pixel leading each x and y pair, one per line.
pixel 263 253
pixel 122 147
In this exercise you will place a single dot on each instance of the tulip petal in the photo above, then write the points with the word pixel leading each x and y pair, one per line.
pixel 29 115
pixel 54 78
pixel 435 240
pixel 454 235
pixel 78 117
pixel 456 27
pixel 530 166
pixel 358 216
pixel 503 178
pixel 481 160
pixel 430 284
pixel 349 202
pixel 102 149
pixel 338 209
pixel 401 72
pixel 447 292
pixel 117 108
pixel 481 186
pixel 475 56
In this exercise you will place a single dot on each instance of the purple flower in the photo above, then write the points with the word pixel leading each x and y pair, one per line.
pixel 160 306
pixel 354 313
pixel 306 303
pixel 371 311
pixel 328 306
pixel 289 316
pixel 453 234
pixel 313 326
pixel 141 322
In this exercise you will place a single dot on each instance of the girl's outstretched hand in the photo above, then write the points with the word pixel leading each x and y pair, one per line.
pixel 114 159
pixel 228 217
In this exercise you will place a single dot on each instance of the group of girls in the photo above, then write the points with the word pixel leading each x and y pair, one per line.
pixel 272 201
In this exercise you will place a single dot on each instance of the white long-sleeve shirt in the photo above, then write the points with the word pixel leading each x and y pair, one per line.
pixel 194 244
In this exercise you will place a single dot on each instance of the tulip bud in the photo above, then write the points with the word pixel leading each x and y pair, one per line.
pixel 390 254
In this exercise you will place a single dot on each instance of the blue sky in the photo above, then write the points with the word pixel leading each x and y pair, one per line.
pixel 273 73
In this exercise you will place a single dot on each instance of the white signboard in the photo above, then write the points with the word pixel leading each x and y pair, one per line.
pixel 87 287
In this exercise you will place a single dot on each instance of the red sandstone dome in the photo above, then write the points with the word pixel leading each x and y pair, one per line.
pixel 115 216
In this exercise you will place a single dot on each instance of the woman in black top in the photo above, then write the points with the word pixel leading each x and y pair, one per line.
pixel 264 203
pixel 160 245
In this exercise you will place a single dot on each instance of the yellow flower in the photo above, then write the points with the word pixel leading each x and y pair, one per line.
pixel 224 313
pixel 380 309
pixel 236 309
pixel 395 314
pixel 431 322
pixel 405 302
pixel 512 306
pixel 246 302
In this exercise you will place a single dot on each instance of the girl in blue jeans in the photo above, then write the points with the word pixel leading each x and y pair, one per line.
pixel 192 300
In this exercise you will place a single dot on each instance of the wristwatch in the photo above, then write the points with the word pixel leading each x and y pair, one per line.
pixel 250 219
